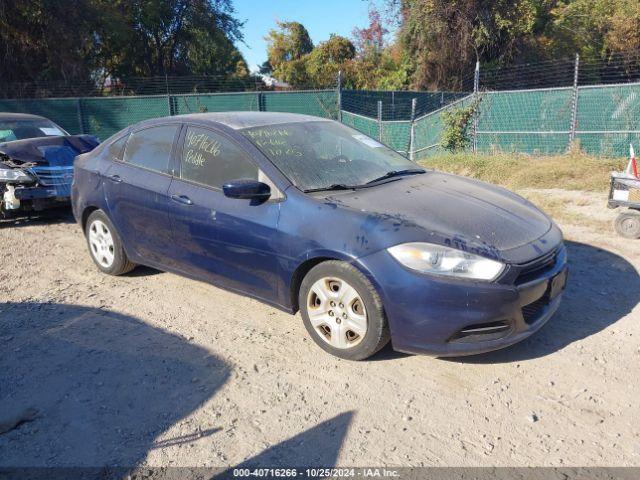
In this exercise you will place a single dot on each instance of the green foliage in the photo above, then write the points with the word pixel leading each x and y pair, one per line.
pixel 457 123
pixel 327 59
pixel 81 40
pixel 595 28
pixel 446 37
pixel 286 48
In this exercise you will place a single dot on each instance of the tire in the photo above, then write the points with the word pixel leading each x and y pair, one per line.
pixel 105 246
pixel 338 327
pixel 627 224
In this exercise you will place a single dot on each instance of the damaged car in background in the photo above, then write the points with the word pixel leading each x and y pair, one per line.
pixel 36 163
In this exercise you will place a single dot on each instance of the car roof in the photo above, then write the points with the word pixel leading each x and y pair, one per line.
pixel 9 116
pixel 237 120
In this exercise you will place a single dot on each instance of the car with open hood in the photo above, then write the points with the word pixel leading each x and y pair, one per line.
pixel 307 214
pixel 36 163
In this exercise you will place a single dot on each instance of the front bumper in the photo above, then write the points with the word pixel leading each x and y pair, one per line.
pixel 449 317
pixel 39 193
pixel 36 198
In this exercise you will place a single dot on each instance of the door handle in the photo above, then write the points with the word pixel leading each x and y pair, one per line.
pixel 115 178
pixel 183 199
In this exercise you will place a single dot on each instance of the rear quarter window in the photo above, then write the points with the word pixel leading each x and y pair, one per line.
pixel 117 147
pixel 151 148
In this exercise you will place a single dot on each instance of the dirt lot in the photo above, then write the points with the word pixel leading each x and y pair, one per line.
pixel 154 369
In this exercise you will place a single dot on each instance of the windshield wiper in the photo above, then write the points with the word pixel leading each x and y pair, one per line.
pixel 335 186
pixel 396 173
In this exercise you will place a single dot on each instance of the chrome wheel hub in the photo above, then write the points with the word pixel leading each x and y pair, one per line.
pixel 337 312
pixel 101 243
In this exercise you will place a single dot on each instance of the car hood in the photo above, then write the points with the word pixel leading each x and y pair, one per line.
pixel 455 211
pixel 41 150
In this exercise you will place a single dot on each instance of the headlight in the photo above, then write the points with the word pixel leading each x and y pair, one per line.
pixel 439 260
pixel 14 175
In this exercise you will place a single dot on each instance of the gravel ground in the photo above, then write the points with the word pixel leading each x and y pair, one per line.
pixel 154 369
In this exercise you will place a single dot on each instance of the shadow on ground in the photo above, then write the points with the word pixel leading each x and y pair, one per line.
pixel 602 288
pixel 46 217
pixel 318 446
pixel 105 385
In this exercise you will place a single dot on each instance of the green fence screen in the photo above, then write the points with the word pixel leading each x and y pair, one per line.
pixel 104 116
pixel 603 119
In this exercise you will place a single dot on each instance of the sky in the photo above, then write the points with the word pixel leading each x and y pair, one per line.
pixel 320 17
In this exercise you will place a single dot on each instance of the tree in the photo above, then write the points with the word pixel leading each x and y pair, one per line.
pixel 291 42
pixel 79 40
pixel 37 42
pixel 327 59
pixel 172 37
pixel 371 38
pixel 596 28
pixel 265 68
pixel 446 37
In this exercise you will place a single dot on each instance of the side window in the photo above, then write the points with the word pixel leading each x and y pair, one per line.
pixel 212 159
pixel 151 148
pixel 115 149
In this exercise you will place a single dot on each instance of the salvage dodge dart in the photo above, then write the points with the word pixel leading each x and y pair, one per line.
pixel 36 162
pixel 308 214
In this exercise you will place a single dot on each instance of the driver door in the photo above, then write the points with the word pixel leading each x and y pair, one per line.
pixel 230 242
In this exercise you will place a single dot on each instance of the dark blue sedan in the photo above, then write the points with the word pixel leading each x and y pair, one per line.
pixel 308 214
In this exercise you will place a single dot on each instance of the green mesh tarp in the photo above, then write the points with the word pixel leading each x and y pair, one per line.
pixel 368 126
pixel 608 119
pixel 215 102
pixel 428 130
pixel 103 117
pixel 533 121
pixel 530 121
pixel 63 111
pixel 397 135
pixel 317 103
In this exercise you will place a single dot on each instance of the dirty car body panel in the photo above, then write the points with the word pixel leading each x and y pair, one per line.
pixel 36 163
pixel 261 249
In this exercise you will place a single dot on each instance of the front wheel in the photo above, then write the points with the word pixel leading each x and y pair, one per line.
pixel 105 245
pixel 628 224
pixel 342 311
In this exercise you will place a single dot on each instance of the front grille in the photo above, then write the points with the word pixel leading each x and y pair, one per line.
pixel 532 312
pixel 532 270
pixel 482 332
pixel 58 178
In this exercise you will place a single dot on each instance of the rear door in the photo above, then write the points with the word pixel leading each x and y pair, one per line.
pixel 136 192
pixel 223 240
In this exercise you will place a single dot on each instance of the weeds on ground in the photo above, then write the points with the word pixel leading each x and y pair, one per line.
pixel 572 171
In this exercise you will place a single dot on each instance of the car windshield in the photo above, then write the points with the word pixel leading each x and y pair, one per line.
pixel 327 155
pixel 11 130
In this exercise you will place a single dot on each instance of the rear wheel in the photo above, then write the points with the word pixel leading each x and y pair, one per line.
pixel 105 245
pixel 628 224
pixel 342 311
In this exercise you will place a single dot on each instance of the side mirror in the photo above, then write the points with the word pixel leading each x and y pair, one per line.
pixel 247 189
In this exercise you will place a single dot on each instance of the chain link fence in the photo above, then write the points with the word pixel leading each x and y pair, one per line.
pixel 600 119
pixel 104 116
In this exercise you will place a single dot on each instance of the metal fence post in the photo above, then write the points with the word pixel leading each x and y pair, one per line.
pixel 476 87
pixel 412 130
pixel 260 102
pixel 339 92
pixel 574 102
pixel 380 120
pixel 79 112
pixel 166 84
pixel 393 105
